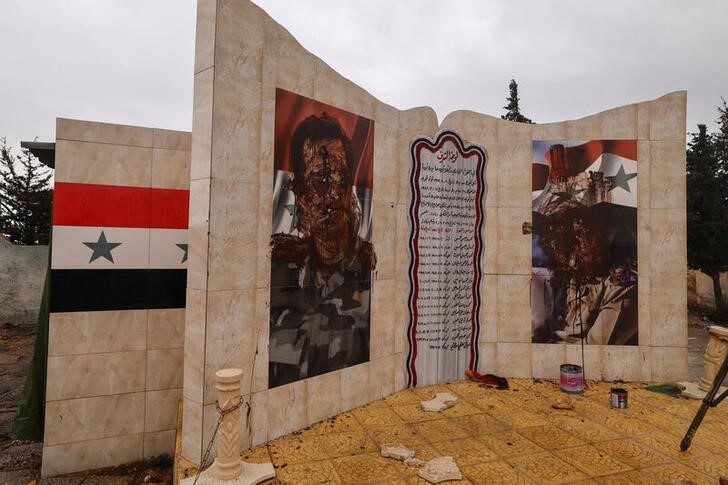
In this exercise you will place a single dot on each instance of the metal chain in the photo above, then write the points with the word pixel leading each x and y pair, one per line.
pixel 222 413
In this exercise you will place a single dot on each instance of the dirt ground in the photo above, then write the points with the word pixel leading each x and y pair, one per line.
pixel 20 460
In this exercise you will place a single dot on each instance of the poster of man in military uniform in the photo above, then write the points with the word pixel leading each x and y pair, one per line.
pixel 321 251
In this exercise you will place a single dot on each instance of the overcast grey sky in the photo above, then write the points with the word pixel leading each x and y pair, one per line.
pixel 131 61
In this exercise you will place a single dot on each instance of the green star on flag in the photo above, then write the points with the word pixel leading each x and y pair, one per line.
pixel 183 247
pixel 101 248
pixel 621 179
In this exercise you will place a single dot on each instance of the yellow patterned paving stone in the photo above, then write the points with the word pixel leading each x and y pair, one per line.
pixel 517 418
pixel 440 430
pixel 547 468
pixel 309 473
pixel 510 443
pixel 592 461
pixel 377 417
pixel 669 445
pixel 295 449
pixel 402 397
pixel 413 413
pixel 632 453
pixel 368 468
pixel 480 424
pixel 466 452
pixel 551 437
pixel 715 442
pixel 714 465
pixel 424 452
pixel 351 443
pixel 466 389
pixel 404 434
pixel 626 425
pixel 337 424
pixel 259 454
pixel 589 407
pixel 676 473
pixel 416 480
pixel 428 392
pixel 462 408
pixel 485 401
pixel 584 429
pixel 635 477
pixel 495 473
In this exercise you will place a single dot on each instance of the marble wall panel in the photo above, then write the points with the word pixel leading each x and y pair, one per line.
pixel 170 169
pixel 619 123
pixel 294 70
pixel 288 408
pixel 402 315
pixel 643 120
pixel 166 328
pixel 644 320
pixel 265 176
pixel 171 139
pixel 194 349
pixel 96 332
pixel 514 167
pixel 386 182
pixel 667 117
pixel 546 360
pixel 667 174
pixel 332 88
pixel 384 239
pixel 73 420
pixel 413 123
pixel 509 130
pixel 192 428
pixel 164 369
pixel 239 39
pixel 489 308
pixel 512 359
pixel 230 338
pixel 514 309
pixel 161 410
pixel 645 361
pixel 668 314
pixel 201 147
pixel 103 163
pixel 644 163
pixel 236 128
pixel 621 363
pixel 383 306
pixel 591 361
pixel 159 443
pixel 262 335
pixel 668 249
pixel 95 132
pixel 488 352
pixel 233 236
pixel 669 364
pixel 400 374
pixel 587 128
pixel 471 125
pixel 257 431
pixel 323 398
pixel 381 376
pixel 490 259
pixel 87 455
pixel 86 375
pixel 514 247
pixel 354 386
pixel 205 34
pixel 550 131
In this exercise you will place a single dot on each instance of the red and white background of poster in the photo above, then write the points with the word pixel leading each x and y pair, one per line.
pixel 447 214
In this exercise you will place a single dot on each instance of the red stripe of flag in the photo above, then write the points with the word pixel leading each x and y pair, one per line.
pixel 119 206
pixel 579 157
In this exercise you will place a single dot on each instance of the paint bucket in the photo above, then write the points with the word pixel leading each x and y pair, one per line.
pixel 572 379
pixel 619 398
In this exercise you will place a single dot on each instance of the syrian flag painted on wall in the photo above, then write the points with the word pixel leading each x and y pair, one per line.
pixel 118 248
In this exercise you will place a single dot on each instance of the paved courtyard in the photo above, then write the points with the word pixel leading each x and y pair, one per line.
pixel 510 436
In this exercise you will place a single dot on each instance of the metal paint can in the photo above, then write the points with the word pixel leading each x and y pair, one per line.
pixel 572 379
pixel 619 398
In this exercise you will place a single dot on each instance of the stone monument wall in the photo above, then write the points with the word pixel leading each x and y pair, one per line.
pixel 116 336
pixel 243 60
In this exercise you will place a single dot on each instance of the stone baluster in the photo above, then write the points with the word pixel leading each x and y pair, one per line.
pixel 227 464
pixel 715 354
